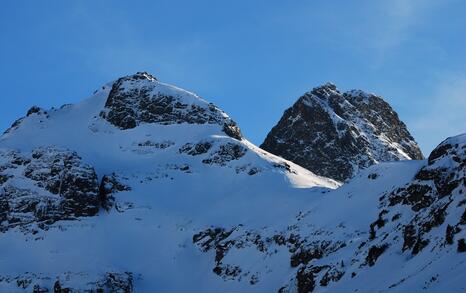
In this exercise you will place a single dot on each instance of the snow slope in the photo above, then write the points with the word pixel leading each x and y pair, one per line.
pixel 175 189
pixel 191 206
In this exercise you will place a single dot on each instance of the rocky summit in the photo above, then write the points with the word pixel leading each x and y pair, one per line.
pixel 336 134
pixel 140 98
pixel 145 187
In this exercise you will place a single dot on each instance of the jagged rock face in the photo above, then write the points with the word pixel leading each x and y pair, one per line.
pixel 302 251
pixel 435 196
pixel 140 98
pixel 335 134
pixel 45 186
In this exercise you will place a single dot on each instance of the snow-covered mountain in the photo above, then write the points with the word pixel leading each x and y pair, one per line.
pixel 395 227
pixel 145 187
pixel 336 134
pixel 122 181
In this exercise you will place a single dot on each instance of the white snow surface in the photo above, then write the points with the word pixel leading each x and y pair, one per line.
pixel 152 236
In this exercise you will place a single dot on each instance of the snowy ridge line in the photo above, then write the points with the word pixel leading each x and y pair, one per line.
pixel 166 195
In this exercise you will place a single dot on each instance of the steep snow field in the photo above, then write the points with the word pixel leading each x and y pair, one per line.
pixel 182 181
pixel 152 235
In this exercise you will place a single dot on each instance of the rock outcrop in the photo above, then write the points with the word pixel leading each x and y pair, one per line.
pixel 140 98
pixel 335 134
pixel 44 186
pixel 144 184
pixel 426 214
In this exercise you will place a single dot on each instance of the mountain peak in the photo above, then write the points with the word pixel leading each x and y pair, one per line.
pixel 141 99
pixel 328 85
pixel 141 75
pixel 160 178
pixel 336 134
pixel 325 90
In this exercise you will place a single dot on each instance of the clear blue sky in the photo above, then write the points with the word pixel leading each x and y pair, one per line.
pixel 251 58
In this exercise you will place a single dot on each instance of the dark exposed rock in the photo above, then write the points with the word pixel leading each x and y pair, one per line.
pixel 373 176
pixel 332 275
pixel 379 223
pixel 217 239
pixel 232 130
pixel 140 98
pixel 4 178
pixel 307 277
pixel 420 244
pixel 196 149
pixel 374 253
pixel 449 233
pixel 461 245
pixel 440 151
pixel 110 185
pixel 39 289
pixel 435 190
pixel 65 188
pixel 435 218
pixel 57 287
pixel 227 271
pixel 34 109
pixel 226 153
pixel 302 252
pixel 304 256
pixel 4 209
pixel 116 282
pixel 305 281
pixel 437 180
pixel 211 237
pixel 158 145
pixel 253 171
pixel 417 196
pixel 463 218
pixel 306 252
pixel 335 134
pixel 62 173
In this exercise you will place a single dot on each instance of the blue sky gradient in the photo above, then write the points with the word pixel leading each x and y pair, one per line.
pixel 251 58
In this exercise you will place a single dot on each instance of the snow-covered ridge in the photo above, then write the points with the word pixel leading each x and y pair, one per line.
pixel 140 98
pixel 336 134
pixel 395 227
pixel 98 129
pixel 70 175
pixel 176 205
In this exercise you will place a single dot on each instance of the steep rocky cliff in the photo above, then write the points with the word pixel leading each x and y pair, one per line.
pixel 336 134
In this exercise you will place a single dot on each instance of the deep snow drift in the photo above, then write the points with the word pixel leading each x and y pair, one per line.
pixel 145 187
